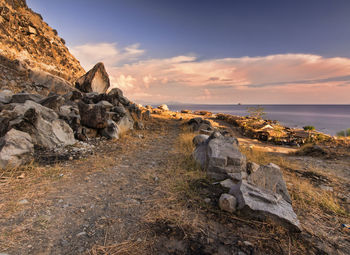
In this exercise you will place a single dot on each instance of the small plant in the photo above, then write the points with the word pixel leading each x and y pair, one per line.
pixel 309 128
pixel 256 112
pixel 344 133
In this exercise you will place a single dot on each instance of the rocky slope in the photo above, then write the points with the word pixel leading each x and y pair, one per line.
pixel 31 51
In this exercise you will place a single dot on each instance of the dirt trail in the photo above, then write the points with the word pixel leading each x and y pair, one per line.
pixel 89 206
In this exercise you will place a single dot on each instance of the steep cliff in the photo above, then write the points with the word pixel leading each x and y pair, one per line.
pixel 28 44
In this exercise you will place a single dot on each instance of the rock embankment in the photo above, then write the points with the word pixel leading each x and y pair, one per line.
pixel 32 122
pixel 257 191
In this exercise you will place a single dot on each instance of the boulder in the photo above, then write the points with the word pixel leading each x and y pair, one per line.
pixel 146 115
pixel 5 96
pixel 199 123
pixel 42 124
pixel 16 148
pixel 125 124
pixel 95 80
pixel 163 107
pixel 105 104
pixel 50 83
pixel 227 203
pixel 53 102
pixel 220 156
pixel 111 131
pixel 270 177
pixel 260 203
pixel 4 125
pixel 22 97
pixel 93 115
pixel 252 167
pixel 199 139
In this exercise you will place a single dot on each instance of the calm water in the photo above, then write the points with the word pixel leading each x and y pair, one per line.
pixel 328 119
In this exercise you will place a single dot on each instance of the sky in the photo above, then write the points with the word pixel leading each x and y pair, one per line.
pixel 212 52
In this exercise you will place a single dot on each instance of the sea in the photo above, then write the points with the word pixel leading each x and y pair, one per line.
pixel 328 119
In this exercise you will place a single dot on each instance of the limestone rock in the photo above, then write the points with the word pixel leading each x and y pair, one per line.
pixel 227 203
pixel 125 124
pixel 261 203
pixel 163 107
pixel 95 80
pixel 199 139
pixel 5 96
pixel 22 97
pixel 228 183
pixel 270 177
pixel 111 131
pixel 93 115
pixel 16 147
pixel 53 102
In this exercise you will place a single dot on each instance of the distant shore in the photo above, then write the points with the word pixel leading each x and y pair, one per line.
pixel 328 119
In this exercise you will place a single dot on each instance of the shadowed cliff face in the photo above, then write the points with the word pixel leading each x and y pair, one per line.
pixel 32 44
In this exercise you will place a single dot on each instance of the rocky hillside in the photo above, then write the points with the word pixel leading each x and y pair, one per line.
pixel 30 48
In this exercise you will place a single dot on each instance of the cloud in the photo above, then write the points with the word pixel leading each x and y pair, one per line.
pixel 108 53
pixel 281 78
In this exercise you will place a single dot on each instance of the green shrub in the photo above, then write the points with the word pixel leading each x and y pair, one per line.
pixel 256 112
pixel 309 128
pixel 344 133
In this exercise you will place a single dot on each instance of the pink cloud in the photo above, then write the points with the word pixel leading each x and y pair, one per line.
pixel 283 78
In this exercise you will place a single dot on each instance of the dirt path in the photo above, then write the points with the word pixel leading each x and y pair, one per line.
pixel 99 200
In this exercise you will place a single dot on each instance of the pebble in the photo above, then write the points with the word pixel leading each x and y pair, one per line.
pixel 23 201
pixel 207 200
pixel 81 234
pixel 247 243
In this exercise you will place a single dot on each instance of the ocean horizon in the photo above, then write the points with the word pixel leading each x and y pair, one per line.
pixel 326 118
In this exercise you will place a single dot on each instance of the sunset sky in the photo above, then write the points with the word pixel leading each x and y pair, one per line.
pixel 252 52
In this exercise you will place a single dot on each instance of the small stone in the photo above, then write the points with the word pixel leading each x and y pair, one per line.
pixel 227 183
pixel 139 240
pixel 23 201
pixel 207 200
pixel 81 234
pixel 82 210
pixel 227 203
pixel 70 158
pixel 326 188
pixel 247 243
pixel 60 201
pixel 156 179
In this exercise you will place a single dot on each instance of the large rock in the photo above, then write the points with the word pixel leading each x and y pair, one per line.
pixel 125 124
pixel 199 123
pixel 93 115
pixel 42 124
pixel 260 203
pixel 16 148
pixel 111 131
pixel 5 96
pixel 49 83
pixel 22 97
pixel 270 177
pixel 95 80
pixel 199 139
pixel 220 156
pixel 227 203
pixel 53 102
pixel 163 107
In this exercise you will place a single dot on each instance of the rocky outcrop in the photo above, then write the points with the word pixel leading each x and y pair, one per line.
pixel 257 191
pixel 261 203
pixel 220 156
pixel 95 80
pixel 199 124
pixel 28 43
pixel 16 148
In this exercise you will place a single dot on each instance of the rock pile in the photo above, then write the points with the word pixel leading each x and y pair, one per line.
pixel 31 121
pixel 257 191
